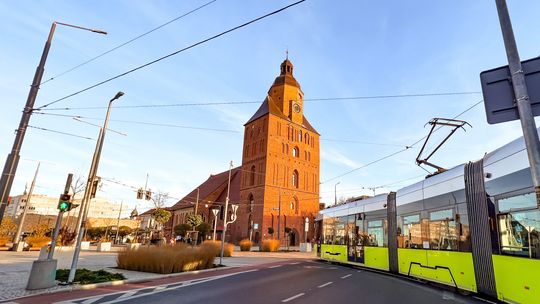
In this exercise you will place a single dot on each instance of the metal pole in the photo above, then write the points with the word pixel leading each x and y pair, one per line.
pixel 92 176
pixel 225 216
pixel 528 125
pixel 335 193
pixel 197 202
pixel 50 254
pixel 279 217
pixel 215 212
pixel 17 237
pixel 12 160
pixel 118 222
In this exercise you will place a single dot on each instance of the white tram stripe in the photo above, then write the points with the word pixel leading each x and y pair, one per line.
pixel 275 266
pixel 293 297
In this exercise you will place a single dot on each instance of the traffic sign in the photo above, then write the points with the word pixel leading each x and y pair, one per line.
pixel 499 99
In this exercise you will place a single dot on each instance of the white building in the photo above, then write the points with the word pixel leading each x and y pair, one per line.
pixel 45 205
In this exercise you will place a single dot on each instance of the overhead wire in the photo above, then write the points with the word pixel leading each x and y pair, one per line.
pixel 60 132
pixel 400 151
pixel 220 103
pixel 173 53
pixel 127 42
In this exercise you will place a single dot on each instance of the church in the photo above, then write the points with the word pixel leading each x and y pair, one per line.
pixel 277 185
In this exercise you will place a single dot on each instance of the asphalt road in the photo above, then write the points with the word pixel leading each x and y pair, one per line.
pixel 293 282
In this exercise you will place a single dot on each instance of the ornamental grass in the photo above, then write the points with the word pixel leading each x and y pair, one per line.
pixel 37 241
pixel 245 245
pixel 228 249
pixel 167 259
pixel 270 245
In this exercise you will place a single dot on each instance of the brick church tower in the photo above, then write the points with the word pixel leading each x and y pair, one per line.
pixel 280 167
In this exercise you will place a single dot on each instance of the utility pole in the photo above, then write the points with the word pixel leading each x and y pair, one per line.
pixel 17 237
pixel 197 202
pixel 118 222
pixel 528 125
pixel 225 215
pixel 279 216
pixel 335 192
pixel 12 161
pixel 59 220
pixel 85 203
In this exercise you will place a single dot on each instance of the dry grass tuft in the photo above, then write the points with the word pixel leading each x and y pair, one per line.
pixel 37 241
pixel 245 245
pixel 270 245
pixel 228 249
pixel 167 259
pixel 4 240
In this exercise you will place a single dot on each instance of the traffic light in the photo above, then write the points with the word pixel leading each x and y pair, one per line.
pixel 140 193
pixel 148 195
pixel 64 203
pixel 95 185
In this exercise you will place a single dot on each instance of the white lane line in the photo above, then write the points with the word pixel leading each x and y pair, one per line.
pixel 293 297
pixel 275 266
pixel 295 263
pixel 359 271
pixel 127 294
pixel 325 284
pixel 90 301
pixel 346 276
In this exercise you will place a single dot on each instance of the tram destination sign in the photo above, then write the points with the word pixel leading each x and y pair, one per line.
pixel 499 98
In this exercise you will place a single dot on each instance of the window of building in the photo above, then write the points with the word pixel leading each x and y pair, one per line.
pixel 252 176
pixel 250 203
pixel 296 152
pixel 442 230
pixel 296 205
pixel 295 179
pixel 300 136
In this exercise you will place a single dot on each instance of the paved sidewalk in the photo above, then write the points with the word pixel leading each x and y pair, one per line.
pixel 15 267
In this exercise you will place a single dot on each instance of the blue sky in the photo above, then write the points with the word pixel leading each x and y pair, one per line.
pixel 339 49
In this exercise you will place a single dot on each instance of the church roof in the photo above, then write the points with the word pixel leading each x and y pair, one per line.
pixel 269 107
pixel 215 186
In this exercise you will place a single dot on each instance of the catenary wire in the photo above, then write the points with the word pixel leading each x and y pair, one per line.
pixel 60 132
pixel 400 151
pixel 127 42
pixel 173 53
pixel 220 103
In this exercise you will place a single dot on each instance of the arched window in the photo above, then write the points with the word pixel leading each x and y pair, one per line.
pixel 295 179
pixel 296 205
pixel 286 148
pixel 250 203
pixel 306 139
pixel 296 152
pixel 300 136
pixel 252 176
pixel 309 156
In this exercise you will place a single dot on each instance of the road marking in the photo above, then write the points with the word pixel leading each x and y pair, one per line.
pixel 346 276
pixel 275 266
pixel 359 270
pixel 295 263
pixel 325 284
pixel 155 289
pixel 293 297
pixel 127 294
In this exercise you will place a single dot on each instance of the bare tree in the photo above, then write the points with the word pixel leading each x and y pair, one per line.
pixel 160 199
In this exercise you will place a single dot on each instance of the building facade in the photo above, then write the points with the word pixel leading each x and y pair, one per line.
pixel 279 187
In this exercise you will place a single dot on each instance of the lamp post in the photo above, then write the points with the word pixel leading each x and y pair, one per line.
pixel 233 216
pixel 335 193
pixel 12 161
pixel 215 212
pixel 85 203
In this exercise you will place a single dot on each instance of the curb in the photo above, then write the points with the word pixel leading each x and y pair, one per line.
pixel 119 282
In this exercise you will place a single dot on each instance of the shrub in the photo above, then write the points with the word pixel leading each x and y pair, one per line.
pixel 270 245
pixel 167 259
pixel 4 240
pixel 37 241
pixel 181 229
pixel 7 227
pixel 245 245
pixel 85 276
pixel 227 248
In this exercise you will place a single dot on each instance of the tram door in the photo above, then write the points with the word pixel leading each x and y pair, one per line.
pixel 355 246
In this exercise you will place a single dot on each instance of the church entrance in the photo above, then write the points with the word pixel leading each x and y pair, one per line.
pixel 292 237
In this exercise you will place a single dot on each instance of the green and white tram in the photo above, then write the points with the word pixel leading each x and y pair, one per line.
pixel 475 227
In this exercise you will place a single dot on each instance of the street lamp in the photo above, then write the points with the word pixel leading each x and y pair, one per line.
pixel 335 193
pixel 215 212
pixel 85 203
pixel 12 161
pixel 233 216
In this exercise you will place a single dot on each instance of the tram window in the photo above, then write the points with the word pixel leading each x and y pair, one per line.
pixel 412 232
pixel 520 233
pixel 329 230
pixel 375 233
pixel 442 230
pixel 341 225
pixel 462 228
pixel 517 202
pixel 362 237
